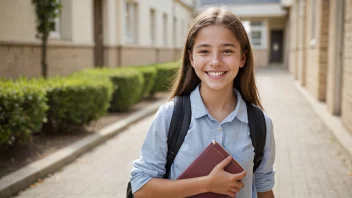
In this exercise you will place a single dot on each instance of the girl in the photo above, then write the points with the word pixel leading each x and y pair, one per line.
pixel 217 72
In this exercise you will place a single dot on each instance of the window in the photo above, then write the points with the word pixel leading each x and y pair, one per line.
pixel 313 13
pixel 165 29
pixel 152 27
pixel 56 33
pixel 175 31
pixel 256 33
pixel 131 22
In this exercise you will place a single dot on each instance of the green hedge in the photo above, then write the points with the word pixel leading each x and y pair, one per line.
pixel 22 110
pixel 74 101
pixel 129 81
pixel 149 75
pixel 165 74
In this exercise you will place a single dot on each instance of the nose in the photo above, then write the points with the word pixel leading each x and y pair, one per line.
pixel 215 60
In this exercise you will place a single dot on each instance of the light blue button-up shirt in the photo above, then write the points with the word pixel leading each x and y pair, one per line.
pixel 232 133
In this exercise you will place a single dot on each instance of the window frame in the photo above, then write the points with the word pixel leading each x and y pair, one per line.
pixel 152 17
pixel 56 34
pixel 250 27
pixel 130 17
pixel 165 29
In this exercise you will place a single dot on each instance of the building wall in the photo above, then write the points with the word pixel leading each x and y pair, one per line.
pixel 287 40
pixel 293 67
pixel 171 8
pixel 148 52
pixel 328 60
pixel 346 113
pixel 82 21
pixel 17 21
pixel 73 50
pixel 184 16
pixel 24 59
pixel 335 58
pixel 301 42
pixel 20 50
pixel 317 53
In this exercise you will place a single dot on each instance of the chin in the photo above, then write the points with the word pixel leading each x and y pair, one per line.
pixel 216 87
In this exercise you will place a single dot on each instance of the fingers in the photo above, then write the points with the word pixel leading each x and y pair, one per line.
pixel 237 184
pixel 234 190
pixel 224 162
pixel 231 194
pixel 239 176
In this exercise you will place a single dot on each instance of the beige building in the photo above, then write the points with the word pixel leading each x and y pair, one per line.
pixel 321 52
pixel 92 33
pixel 265 22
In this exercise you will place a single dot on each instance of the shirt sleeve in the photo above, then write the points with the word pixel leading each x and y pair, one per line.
pixel 265 174
pixel 151 163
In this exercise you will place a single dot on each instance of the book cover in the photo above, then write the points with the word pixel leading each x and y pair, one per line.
pixel 205 163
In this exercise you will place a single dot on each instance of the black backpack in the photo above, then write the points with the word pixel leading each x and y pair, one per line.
pixel 181 118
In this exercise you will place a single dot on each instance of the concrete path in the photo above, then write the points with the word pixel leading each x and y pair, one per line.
pixel 310 163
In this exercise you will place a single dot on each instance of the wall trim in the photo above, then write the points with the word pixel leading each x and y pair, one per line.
pixel 50 44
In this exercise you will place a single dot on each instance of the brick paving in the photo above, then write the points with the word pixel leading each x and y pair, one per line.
pixel 310 163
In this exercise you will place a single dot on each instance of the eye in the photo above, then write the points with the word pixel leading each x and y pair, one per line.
pixel 228 51
pixel 203 51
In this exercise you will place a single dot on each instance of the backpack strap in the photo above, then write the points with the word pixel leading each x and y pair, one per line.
pixel 257 129
pixel 181 119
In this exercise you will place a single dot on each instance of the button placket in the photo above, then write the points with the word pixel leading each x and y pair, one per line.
pixel 219 134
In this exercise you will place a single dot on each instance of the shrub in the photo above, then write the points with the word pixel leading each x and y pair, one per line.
pixel 22 110
pixel 129 81
pixel 76 100
pixel 149 75
pixel 165 74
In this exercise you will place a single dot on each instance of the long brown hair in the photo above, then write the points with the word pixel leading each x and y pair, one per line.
pixel 187 80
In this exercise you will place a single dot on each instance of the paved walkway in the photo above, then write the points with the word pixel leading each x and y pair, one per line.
pixel 310 163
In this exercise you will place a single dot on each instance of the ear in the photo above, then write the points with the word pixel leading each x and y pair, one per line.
pixel 190 58
pixel 243 59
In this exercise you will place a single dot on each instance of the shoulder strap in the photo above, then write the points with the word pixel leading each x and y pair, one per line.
pixel 181 119
pixel 257 128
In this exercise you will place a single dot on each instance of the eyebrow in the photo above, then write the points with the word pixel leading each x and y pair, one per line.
pixel 224 45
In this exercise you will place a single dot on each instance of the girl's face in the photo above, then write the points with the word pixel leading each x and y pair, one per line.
pixel 216 57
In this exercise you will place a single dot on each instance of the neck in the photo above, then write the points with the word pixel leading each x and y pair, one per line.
pixel 223 99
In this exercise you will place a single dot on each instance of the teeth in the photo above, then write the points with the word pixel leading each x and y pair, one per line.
pixel 215 73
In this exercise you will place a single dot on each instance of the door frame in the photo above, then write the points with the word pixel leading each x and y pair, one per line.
pixel 98 43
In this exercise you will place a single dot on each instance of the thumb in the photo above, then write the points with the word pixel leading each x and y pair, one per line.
pixel 224 162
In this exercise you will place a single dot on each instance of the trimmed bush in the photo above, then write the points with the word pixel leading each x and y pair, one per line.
pixel 129 81
pixel 22 110
pixel 165 74
pixel 76 100
pixel 149 75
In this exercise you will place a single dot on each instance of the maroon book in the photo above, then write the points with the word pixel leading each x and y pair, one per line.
pixel 205 163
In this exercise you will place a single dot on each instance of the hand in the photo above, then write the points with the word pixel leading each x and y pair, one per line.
pixel 222 182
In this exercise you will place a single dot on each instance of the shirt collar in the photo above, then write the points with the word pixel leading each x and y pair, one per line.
pixel 199 109
pixel 197 105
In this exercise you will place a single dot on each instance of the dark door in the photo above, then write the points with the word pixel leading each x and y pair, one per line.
pixel 276 46
pixel 98 33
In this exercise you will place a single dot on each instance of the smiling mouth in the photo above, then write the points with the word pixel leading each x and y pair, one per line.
pixel 216 74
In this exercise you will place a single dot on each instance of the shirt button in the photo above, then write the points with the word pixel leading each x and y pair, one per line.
pixel 219 129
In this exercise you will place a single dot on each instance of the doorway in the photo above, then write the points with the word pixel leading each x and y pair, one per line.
pixel 276 46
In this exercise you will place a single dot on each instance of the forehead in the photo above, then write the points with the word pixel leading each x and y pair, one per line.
pixel 215 35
